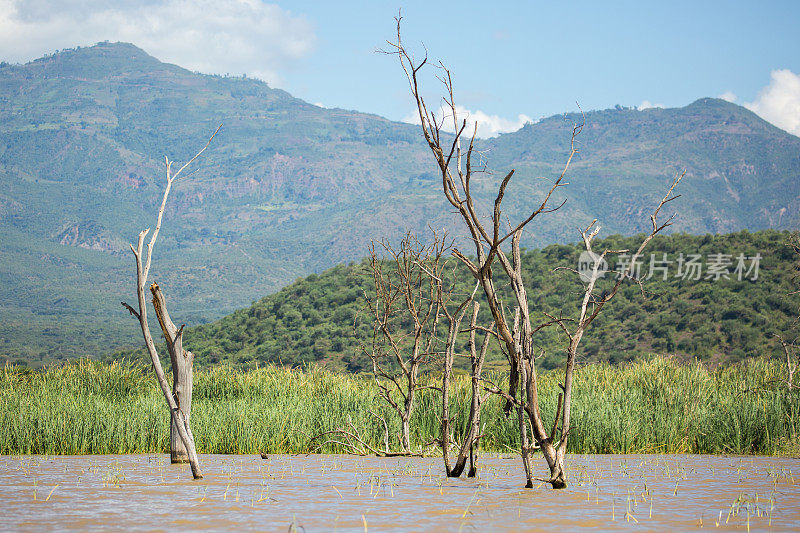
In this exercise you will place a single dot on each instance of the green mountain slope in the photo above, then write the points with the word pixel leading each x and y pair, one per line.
pixel 288 188
pixel 741 172
pixel 715 319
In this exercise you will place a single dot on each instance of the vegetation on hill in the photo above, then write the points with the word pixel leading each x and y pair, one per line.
pixel 658 406
pixel 715 320
pixel 83 132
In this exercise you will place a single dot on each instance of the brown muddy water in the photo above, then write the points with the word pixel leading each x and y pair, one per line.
pixel 336 492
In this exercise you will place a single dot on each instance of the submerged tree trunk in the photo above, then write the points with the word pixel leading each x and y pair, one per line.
pixel 182 427
pixel 181 374
pixel 472 433
pixel 182 391
pixel 177 450
pixel 405 418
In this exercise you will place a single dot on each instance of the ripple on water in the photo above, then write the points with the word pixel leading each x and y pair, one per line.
pixel 326 492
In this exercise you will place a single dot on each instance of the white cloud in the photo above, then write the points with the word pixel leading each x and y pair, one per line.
pixel 647 104
pixel 488 125
pixel 728 96
pixel 215 36
pixel 779 102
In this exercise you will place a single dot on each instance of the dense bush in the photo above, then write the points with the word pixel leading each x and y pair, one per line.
pixel 717 321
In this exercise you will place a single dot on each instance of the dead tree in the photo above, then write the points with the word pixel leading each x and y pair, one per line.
pixel 404 310
pixel 591 306
pixel 456 168
pixel 477 356
pixel 179 397
pixel 791 350
pixel 351 439
pixel 489 233
pixel 792 354
pixel 446 289
pixel 182 377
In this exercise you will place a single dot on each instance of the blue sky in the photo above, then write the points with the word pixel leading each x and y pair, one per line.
pixel 511 61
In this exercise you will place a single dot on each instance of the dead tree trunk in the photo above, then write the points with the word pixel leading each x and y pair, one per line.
pixel 181 361
pixel 179 397
pixel 477 357
pixel 791 361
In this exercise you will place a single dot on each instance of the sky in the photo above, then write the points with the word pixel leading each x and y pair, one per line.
pixel 511 61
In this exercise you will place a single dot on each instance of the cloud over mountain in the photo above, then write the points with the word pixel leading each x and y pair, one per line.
pixel 779 102
pixel 214 36
pixel 488 125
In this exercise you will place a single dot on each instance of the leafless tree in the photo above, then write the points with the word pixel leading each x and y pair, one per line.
pixel 791 350
pixel 456 168
pixel 179 397
pixel 489 234
pixel 351 438
pixel 477 356
pixel 591 306
pixel 404 308
pixel 792 353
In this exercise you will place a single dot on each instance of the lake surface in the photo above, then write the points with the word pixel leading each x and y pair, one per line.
pixel 338 492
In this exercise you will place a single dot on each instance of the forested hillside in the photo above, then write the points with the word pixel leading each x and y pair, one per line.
pixel 728 313
pixel 288 188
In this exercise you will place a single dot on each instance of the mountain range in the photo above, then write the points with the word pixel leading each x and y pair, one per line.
pixel 288 188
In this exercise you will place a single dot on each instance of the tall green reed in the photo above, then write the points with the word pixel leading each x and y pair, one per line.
pixel 657 405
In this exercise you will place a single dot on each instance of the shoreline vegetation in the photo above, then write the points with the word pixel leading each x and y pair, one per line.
pixel 657 405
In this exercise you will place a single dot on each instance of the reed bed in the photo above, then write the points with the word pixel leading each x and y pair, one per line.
pixel 653 406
